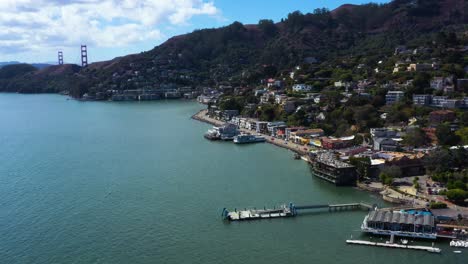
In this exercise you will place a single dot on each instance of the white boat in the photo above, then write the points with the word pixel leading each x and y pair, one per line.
pixel 457 252
pixel 459 243
pixel 246 138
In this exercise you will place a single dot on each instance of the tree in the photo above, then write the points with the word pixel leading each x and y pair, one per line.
pixel 462 133
pixel 415 138
pixel 389 173
pixel 445 136
pixel 268 27
pixel 438 161
pixel 362 166
pixel 457 196
pixel 297 119
pixel 421 82
pixel 231 103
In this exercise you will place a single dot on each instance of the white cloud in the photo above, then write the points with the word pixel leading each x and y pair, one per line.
pixel 35 24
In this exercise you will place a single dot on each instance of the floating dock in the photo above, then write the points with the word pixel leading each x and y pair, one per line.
pixel 254 214
pixel 289 210
pixel 392 245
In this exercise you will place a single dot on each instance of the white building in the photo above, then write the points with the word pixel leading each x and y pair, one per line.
pixel 302 88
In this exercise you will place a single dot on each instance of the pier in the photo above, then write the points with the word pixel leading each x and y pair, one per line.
pixel 392 245
pixel 289 210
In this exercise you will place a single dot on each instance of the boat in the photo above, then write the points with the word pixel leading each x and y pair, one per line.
pixel 213 134
pixel 246 138
pixel 459 243
pixel 457 252
pixel 226 132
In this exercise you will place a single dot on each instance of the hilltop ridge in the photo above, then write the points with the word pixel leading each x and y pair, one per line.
pixel 237 53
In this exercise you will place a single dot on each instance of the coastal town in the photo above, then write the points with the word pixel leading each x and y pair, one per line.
pixel 410 147
pixel 253 132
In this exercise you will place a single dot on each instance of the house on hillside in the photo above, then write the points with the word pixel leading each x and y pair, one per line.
pixel 394 96
pixel 302 88
pixel 417 67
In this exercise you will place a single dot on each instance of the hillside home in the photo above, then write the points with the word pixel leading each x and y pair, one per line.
pixel 394 96
pixel 302 88
pixel 420 67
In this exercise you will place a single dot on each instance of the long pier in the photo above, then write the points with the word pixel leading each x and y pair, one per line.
pixel 392 245
pixel 289 210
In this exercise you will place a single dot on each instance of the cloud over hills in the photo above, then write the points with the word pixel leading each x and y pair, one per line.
pixel 30 25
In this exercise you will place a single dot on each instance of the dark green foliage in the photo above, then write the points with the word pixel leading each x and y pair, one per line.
pixel 457 196
pixel 425 8
pixel 362 166
pixel 297 119
pixel 446 136
pixel 388 174
pixel 437 205
pixel 11 71
pixel 232 103
pixel 415 137
pixel 269 112
pixel 268 27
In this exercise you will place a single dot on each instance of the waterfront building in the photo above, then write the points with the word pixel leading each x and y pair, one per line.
pixel 261 127
pixel 272 126
pixel 207 99
pixel 409 163
pixel 337 143
pixel 225 132
pixel 327 166
pixel 304 136
pixel 411 223
pixel 289 130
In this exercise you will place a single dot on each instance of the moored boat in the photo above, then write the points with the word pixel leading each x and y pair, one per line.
pixel 246 138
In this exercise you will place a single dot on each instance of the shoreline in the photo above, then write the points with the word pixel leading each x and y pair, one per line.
pixel 201 117
pixel 301 150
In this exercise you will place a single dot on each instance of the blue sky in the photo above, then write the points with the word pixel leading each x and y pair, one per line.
pixel 34 30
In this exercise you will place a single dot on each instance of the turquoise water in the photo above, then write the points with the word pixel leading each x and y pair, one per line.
pixel 101 182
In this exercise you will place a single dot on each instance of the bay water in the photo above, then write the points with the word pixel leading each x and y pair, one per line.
pixel 107 182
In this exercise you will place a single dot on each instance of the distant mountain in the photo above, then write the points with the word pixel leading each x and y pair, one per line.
pixel 242 54
pixel 3 63
pixel 41 65
pixel 36 65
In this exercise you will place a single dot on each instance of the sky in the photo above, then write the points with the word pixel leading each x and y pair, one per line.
pixel 35 30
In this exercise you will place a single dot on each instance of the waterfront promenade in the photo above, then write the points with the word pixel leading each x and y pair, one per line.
pixel 300 149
